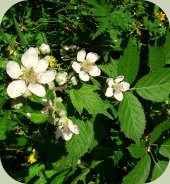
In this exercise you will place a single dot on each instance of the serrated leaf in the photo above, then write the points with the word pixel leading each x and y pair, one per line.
pixel 37 118
pixel 34 171
pixel 59 178
pixel 131 116
pixel 86 98
pixel 165 149
pixel 140 173
pixel 138 151
pixel 79 144
pixel 155 86
pixel 167 48
pixel 159 169
pixel 110 69
pixel 101 28
pixel 158 130
pixel 128 64
pixel 156 58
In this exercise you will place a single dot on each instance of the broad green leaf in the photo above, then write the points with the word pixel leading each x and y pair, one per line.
pixel 34 171
pixel 60 177
pixel 86 98
pixel 138 151
pixel 140 173
pixel 131 117
pixel 37 118
pixel 79 144
pixel 3 64
pixel 159 169
pixel 41 180
pixel 155 86
pixel 167 48
pixel 158 130
pixel 22 38
pixel 101 28
pixel 156 58
pixel 165 149
pixel 110 69
pixel 128 64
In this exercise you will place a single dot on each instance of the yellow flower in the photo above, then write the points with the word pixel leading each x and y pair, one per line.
pixel 52 62
pixel 31 158
pixel 160 16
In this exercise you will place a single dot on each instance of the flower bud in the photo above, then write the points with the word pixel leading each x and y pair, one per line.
pixel 74 81
pixel 62 113
pixel 51 85
pixel 44 48
pixel 59 99
pixel 61 78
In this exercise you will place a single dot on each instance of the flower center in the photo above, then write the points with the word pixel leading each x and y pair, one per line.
pixel 117 87
pixel 86 66
pixel 30 76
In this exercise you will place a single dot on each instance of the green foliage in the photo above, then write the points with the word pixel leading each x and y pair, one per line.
pixel 37 118
pixel 131 117
pixel 165 149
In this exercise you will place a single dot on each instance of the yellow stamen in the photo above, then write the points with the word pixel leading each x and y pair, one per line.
pixel 160 16
pixel 52 62
pixel 30 76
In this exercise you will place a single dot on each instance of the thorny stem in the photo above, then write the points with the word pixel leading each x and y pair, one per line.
pixel 151 155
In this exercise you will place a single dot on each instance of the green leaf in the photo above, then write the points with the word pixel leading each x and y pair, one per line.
pixel 110 69
pixel 101 28
pixel 2 101
pixel 156 58
pixel 167 48
pixel 59 178
pixel 159 169
pixel 86 98
pixel 155 86
pixel 158 130
pixel 34 171
pixel 165 149
pixel 3 64
pixel 140 173
pixel 131 117
pixel 22 38
pixel 128 64
pixel 138 151
pixel 79 144
pixel 37 117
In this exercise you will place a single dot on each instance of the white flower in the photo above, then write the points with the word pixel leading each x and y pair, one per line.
pixel 44 48
pixel 66 128
pixel 116 87
pixel 61 78
pixel 85 66
pixel 29 76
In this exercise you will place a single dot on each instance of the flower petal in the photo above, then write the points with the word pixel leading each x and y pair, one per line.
pixel 109 92
pixel 81 55
pixel 13 69
pixel 110 82
pixel 84 76
pixel 16 88
pixel 30 58
pixel 73 128
pixel 118 95
pixel 76 67
pixel 125 86
pixel 37 89
pixel 58 132
pixel 95 71
pixel 47 76
pixel 119 79
pixel 42 65
pixel 92 57
pixel 65 135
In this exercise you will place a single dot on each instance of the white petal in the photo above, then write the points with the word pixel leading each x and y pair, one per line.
pixel 42 66
pixel 72 127
pixel 58 132
pixel 119 79
pixel 47 76
pixel 95 71
pixel 109 92
pixel 92 57
pixel 125 86
pixel 65 135
pixel 110 82
pixel 13 69
pixel 84 76
pixel 81 55
pixel 118 95
pixel 16 88
pixel 37 89
pixel 30 58
pixel 76 67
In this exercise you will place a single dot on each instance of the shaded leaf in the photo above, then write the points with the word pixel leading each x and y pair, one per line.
pixel 165 149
